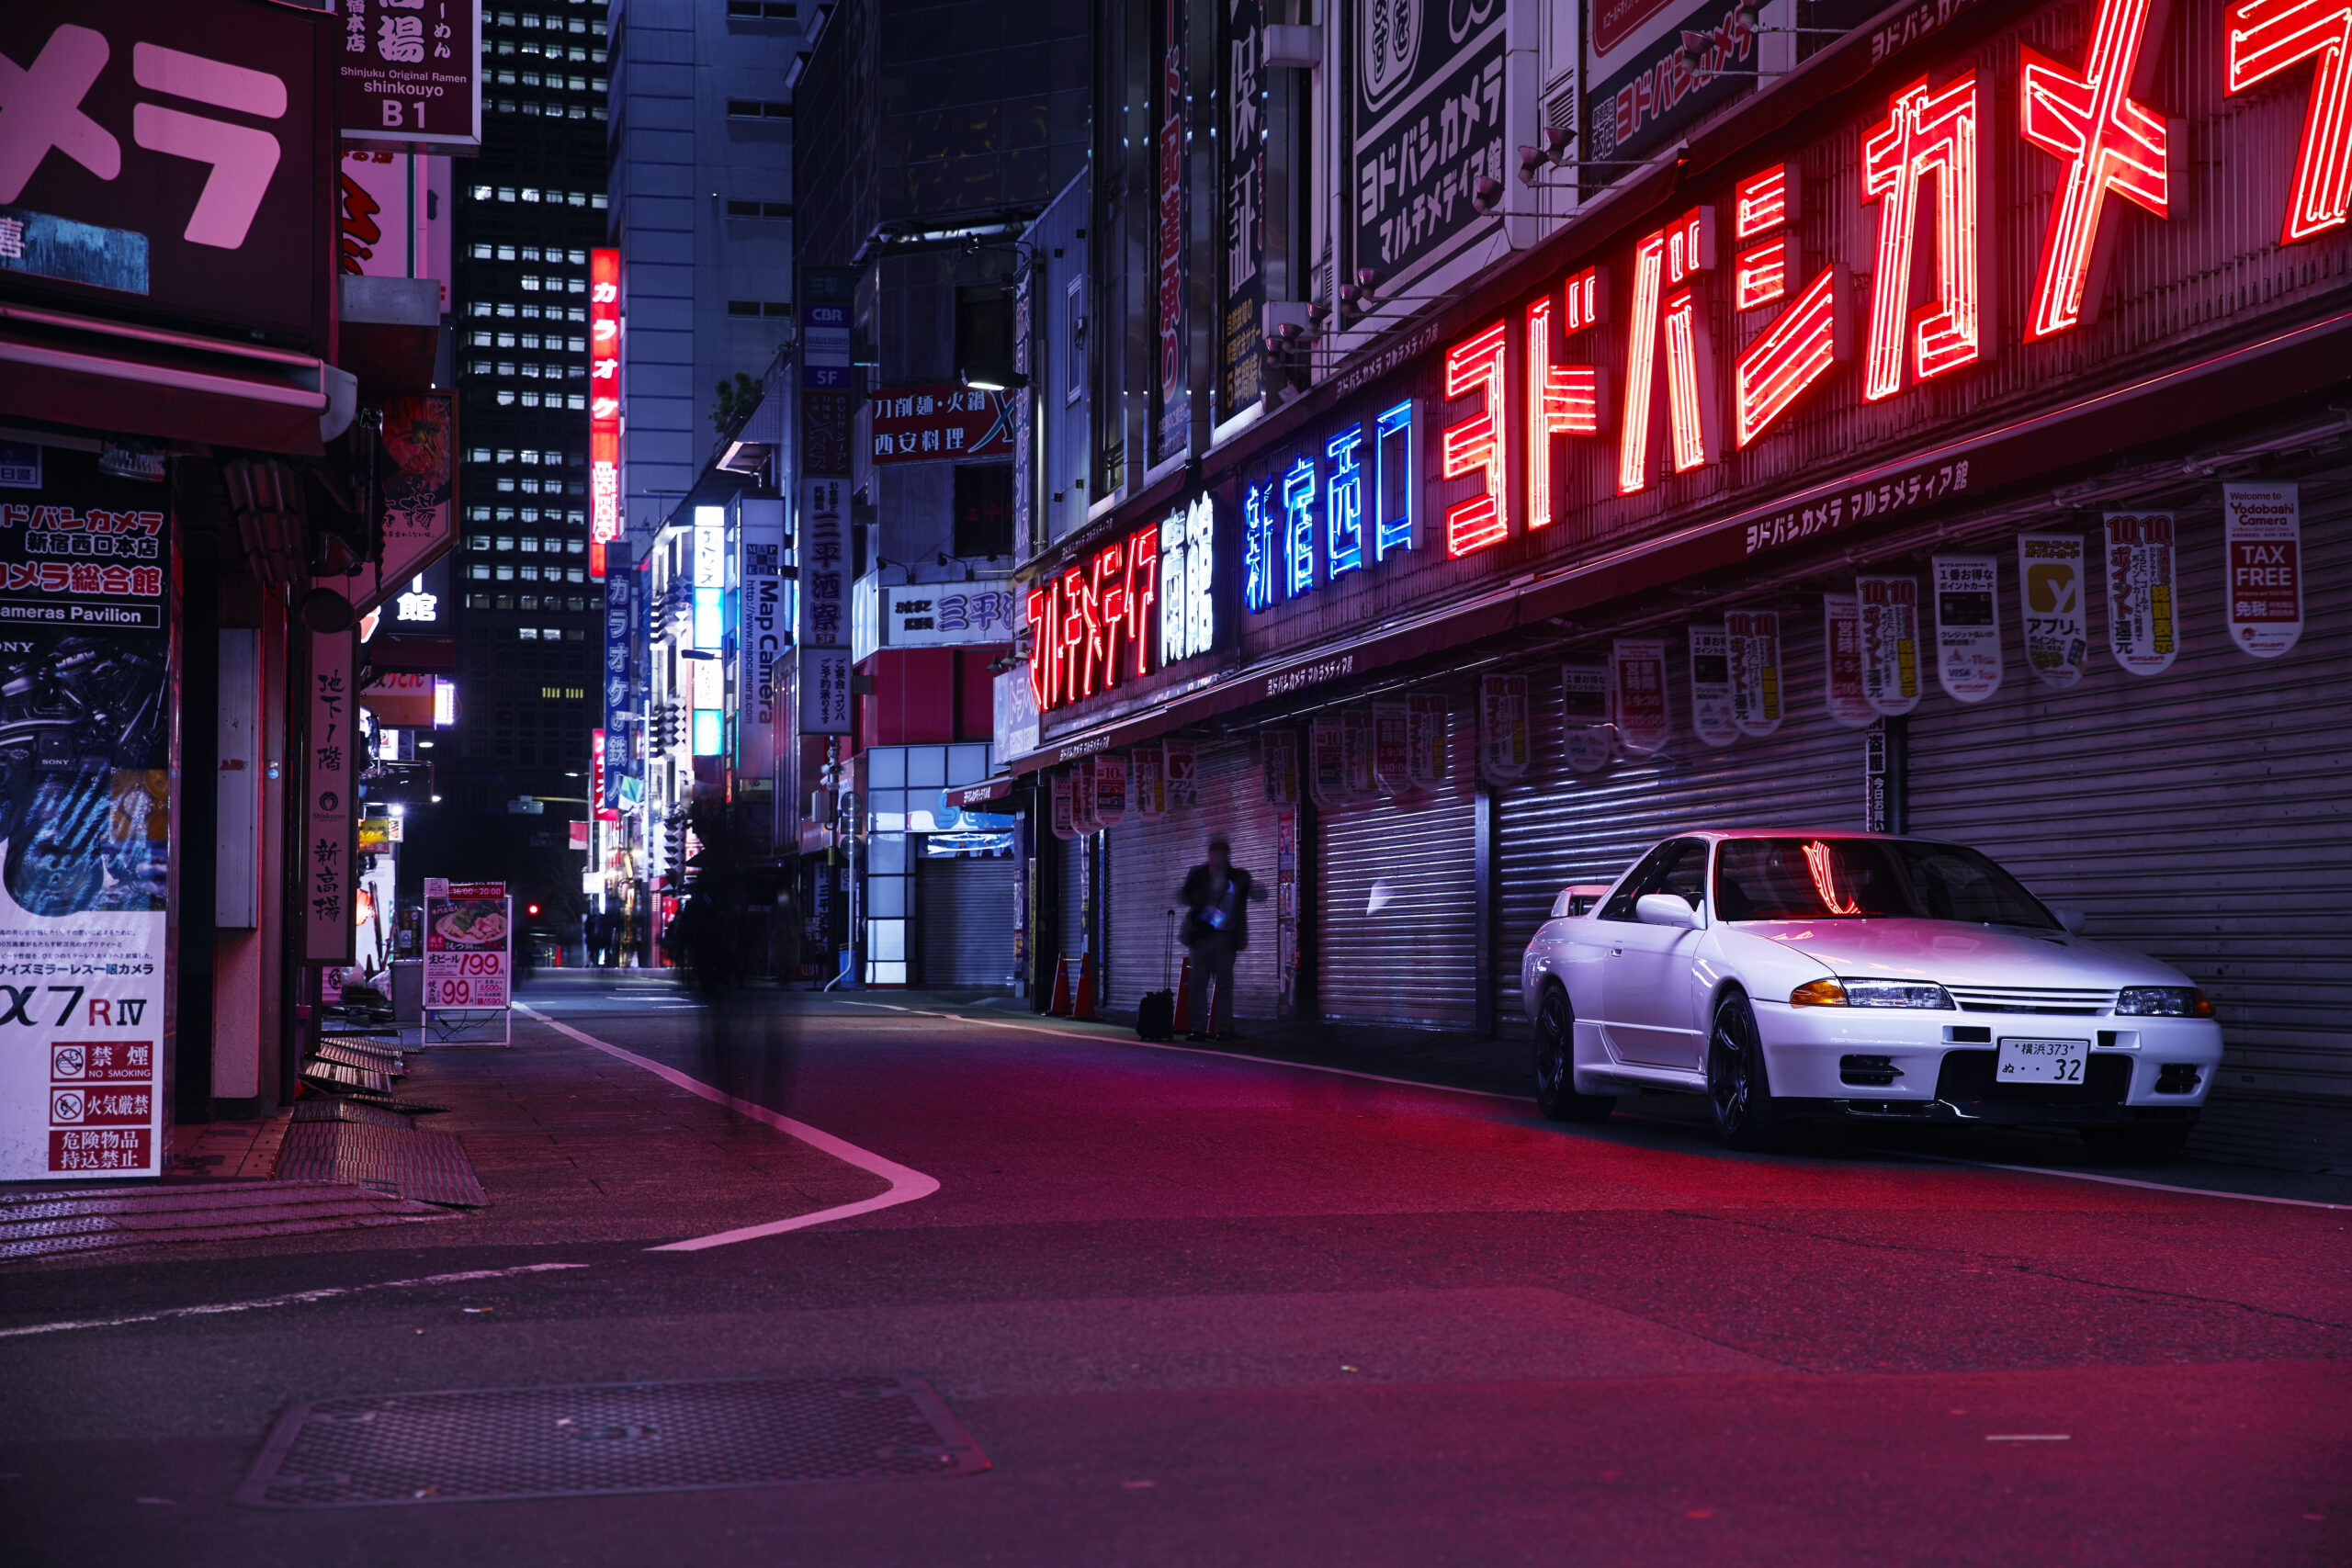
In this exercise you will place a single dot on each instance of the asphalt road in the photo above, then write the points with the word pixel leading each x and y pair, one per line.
pixel 1198 1309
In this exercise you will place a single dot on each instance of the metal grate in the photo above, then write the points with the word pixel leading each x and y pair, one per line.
pixel 474 1445
pixel 430 1166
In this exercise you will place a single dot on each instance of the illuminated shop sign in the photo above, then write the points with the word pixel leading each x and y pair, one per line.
pixel 1133 606
pixel 603 403
pixel 1922 171
pixel 1315 517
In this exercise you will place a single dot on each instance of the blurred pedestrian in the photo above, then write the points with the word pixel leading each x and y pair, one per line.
pixel 1217 896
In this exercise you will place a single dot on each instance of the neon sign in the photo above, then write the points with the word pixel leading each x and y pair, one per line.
pixel 2268 37
pixel 1397 439
pixel 1343 504
pixel 603 404
pixel 1562 399
pixel 1298 527
pixel 1092 624
pixel 1666 267
pixel 1257 549
pixel 1809 339
pixel 1927 135
pixel 1475 445
pixel 1363 480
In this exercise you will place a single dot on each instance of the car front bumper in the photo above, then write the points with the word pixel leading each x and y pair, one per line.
pixel 1938 1065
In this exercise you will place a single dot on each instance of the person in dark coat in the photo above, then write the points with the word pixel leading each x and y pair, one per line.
pixel 1217 896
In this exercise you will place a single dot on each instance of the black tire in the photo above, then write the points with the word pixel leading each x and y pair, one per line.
pixel 1737 1089
pixel 2147 1144
pixel 1555 1079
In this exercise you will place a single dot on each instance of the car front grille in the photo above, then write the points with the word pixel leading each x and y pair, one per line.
pixel 2067 1001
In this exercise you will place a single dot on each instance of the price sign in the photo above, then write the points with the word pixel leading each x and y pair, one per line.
pixel 468 944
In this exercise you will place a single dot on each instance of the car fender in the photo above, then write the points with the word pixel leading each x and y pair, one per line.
pixel 1764 970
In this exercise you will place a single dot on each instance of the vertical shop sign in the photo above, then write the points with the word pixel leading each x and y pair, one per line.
pixel 1427 742
pixel 330 783
pixel 1278 756
pixel 409 74
pixel 1714 716
pixel 624 773
pixel 1841 616
pixel 1058 808
pixel 2263 530
pixel 1356 741
pixel 1968 625
pixel 87 814
pixel 1183 772
pixel 1637 695
pixel 1754 639
pixel 2057 626
pixel 1588 734
pixel 1506 742
pixel 2143 602
pixel 1148 780
pixel 1172 427
pixel 1392 749
pixel 604 400
pixel 1241 371
pixel 1327 760
pixel 418 490
pixel 823 596
pixel 1110 796
pixel 1429 112
pixel 1890 643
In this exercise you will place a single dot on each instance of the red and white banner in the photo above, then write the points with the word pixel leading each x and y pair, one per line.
pixel 1841 616
pixel 1110 788
pixel 1755 637
pixel 1428 740
pixel 2057 626
pixel 1713 717
pixel 1058 808
pixel 1148 780
pixel 2264 530
pixel 2142 601
pixel 1890 643
pixel 1637 695
pixel 1589 730
pixel 1505 743
pixel 1392 751
pixel 1968 625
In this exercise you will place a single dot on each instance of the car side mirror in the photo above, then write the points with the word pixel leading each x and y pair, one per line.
pixel 1665 909
pixel 2072 919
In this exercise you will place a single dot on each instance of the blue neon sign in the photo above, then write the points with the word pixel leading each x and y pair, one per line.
pixel 1298 527
pixel 1363 477
pixel 1343 505
pixel 1393 485
pixel 1257 550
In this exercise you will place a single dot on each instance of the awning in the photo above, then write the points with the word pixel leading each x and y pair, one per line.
pixel 135 380
pixel 965 797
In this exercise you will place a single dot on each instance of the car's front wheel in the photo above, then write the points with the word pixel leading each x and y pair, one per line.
pixel 2147 1144
pixel 1736 1086
pixel 1556 1073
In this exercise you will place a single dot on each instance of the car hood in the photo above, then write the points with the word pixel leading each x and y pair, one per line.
pixel 1954 953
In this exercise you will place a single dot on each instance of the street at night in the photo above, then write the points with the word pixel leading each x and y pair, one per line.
pixel 1199 1308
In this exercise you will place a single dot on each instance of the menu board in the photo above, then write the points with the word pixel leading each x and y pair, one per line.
pixel 468 944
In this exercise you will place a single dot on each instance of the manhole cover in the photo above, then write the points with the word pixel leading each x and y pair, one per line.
pixel 470 1445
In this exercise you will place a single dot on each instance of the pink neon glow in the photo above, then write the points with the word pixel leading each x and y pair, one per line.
pixel 2109 143
pixel 1927 135
pixel 2267 36
pixel 1141 591
pixel 1762 203
pixel 1760 276
pixel 1475 445
pixel 1817 862
pixel 1798 351
pixel 1688 379
pixel 1641 366
pixel 1562 399
pixel 1583 300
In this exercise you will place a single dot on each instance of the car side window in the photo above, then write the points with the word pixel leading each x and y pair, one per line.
pixel 1686 877
pixel 1650 876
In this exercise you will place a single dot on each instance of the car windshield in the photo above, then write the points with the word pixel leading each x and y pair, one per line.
pixel 1858 879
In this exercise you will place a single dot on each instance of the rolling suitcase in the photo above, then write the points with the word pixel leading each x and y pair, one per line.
pixel 1156 1010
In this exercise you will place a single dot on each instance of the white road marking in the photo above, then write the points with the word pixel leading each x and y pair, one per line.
pixel 906 1185
pixel 2029 1436
pixel 326 1292
pixel 2127 1181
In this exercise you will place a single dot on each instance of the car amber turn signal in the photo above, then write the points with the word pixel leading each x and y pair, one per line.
pixel 1818 994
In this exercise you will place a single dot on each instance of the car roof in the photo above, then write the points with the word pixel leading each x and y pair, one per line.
pixel 1720 834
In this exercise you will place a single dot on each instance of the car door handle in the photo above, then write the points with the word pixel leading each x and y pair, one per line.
pixel 1616 953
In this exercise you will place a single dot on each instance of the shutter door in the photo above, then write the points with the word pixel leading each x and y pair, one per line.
pixel 1396 897
pixel 1067 929
pixel 964 923
pixel 2200 816
pixel 1147 863
pixel 1557 828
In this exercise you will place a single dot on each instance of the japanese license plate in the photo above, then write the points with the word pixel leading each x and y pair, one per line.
pixel 2043 1061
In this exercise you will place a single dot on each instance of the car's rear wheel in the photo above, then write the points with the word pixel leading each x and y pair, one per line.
pixel 1556 1073
pixel 2144 1144
pixel 1736 1086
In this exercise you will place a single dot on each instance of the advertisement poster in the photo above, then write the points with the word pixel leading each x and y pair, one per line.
pixel 1656 67
pixel 2057 627
pixel 1182 768
pixel 946 424
pixel 1392 751
pixel 1505 743
pixel 1714 717
pixel 1110 789
pixel 2143 602
pixel 1755 637
pixel 1588 734
pixel 1278 754
pixel 89 665
pixel 409 73
pixel 1429 113
pixel 1356 740
pixel 1148 780
pixel 2262 527
pixel 1172 410
pixel 1083 800
pixel 420 490
pixel 1637 695
pixel 1427 757
pixel 1842 657
pixel 1064 827
pixel 1968 625
pixel 1890 643
pixel 468 944
pixel 1327 760
pixel 1242 223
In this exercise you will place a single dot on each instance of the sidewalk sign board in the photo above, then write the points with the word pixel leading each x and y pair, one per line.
pixel 469 953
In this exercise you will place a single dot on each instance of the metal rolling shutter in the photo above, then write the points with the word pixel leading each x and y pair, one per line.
pixel 1063 928
pixel 1147 863
pixel 1412 959
pixel 964 923
pixel 1556 827
pixel 2200 816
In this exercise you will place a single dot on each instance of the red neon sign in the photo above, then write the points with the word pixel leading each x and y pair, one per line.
pixel 603 402
pixel 1475 445
pixel 1764 202
pixel 1799 350
pixel 2109 143
pixel 1926 134
pixel 2267 36
pixel 1674 322
pixel 1562 399
pixel 1760 276
pixel 1081 620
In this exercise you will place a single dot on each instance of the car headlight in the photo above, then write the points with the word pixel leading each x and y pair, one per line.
pixel 1869 994
pixel 2162 1002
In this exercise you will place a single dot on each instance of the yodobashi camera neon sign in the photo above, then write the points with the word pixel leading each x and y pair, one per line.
pixel 1312 521
pixel 1922 167
pixel 1094 625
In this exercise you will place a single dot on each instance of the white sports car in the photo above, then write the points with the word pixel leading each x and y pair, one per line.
pixel 1790 975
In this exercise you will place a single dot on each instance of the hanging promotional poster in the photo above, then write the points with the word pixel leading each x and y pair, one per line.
pixel 1327 760
pixel 1110 789
pixel 87 757
pixel 1392 751
pixel 2264 526
pixel 1755 638
pixel 1356 740
pixel 1427 715
pixel 1841 616
pixel 1148 780
pixel 1637 695
pixel 2143 607
pixel 1890 643
pixel 1181 766
pixel 1058 808
pixel 1082 798
pixel 1505 742
pixel 1713 716
pixel 468 938
pixel 1968 625
pixel 1589 739
pixel 2057 627
pixel 1278 752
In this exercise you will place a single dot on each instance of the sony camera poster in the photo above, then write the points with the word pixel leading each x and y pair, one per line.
pixel 87 756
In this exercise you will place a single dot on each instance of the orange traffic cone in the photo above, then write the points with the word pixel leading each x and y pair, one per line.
pixel 1084 1008
pixel 1182 1022
pixel 1058 1006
